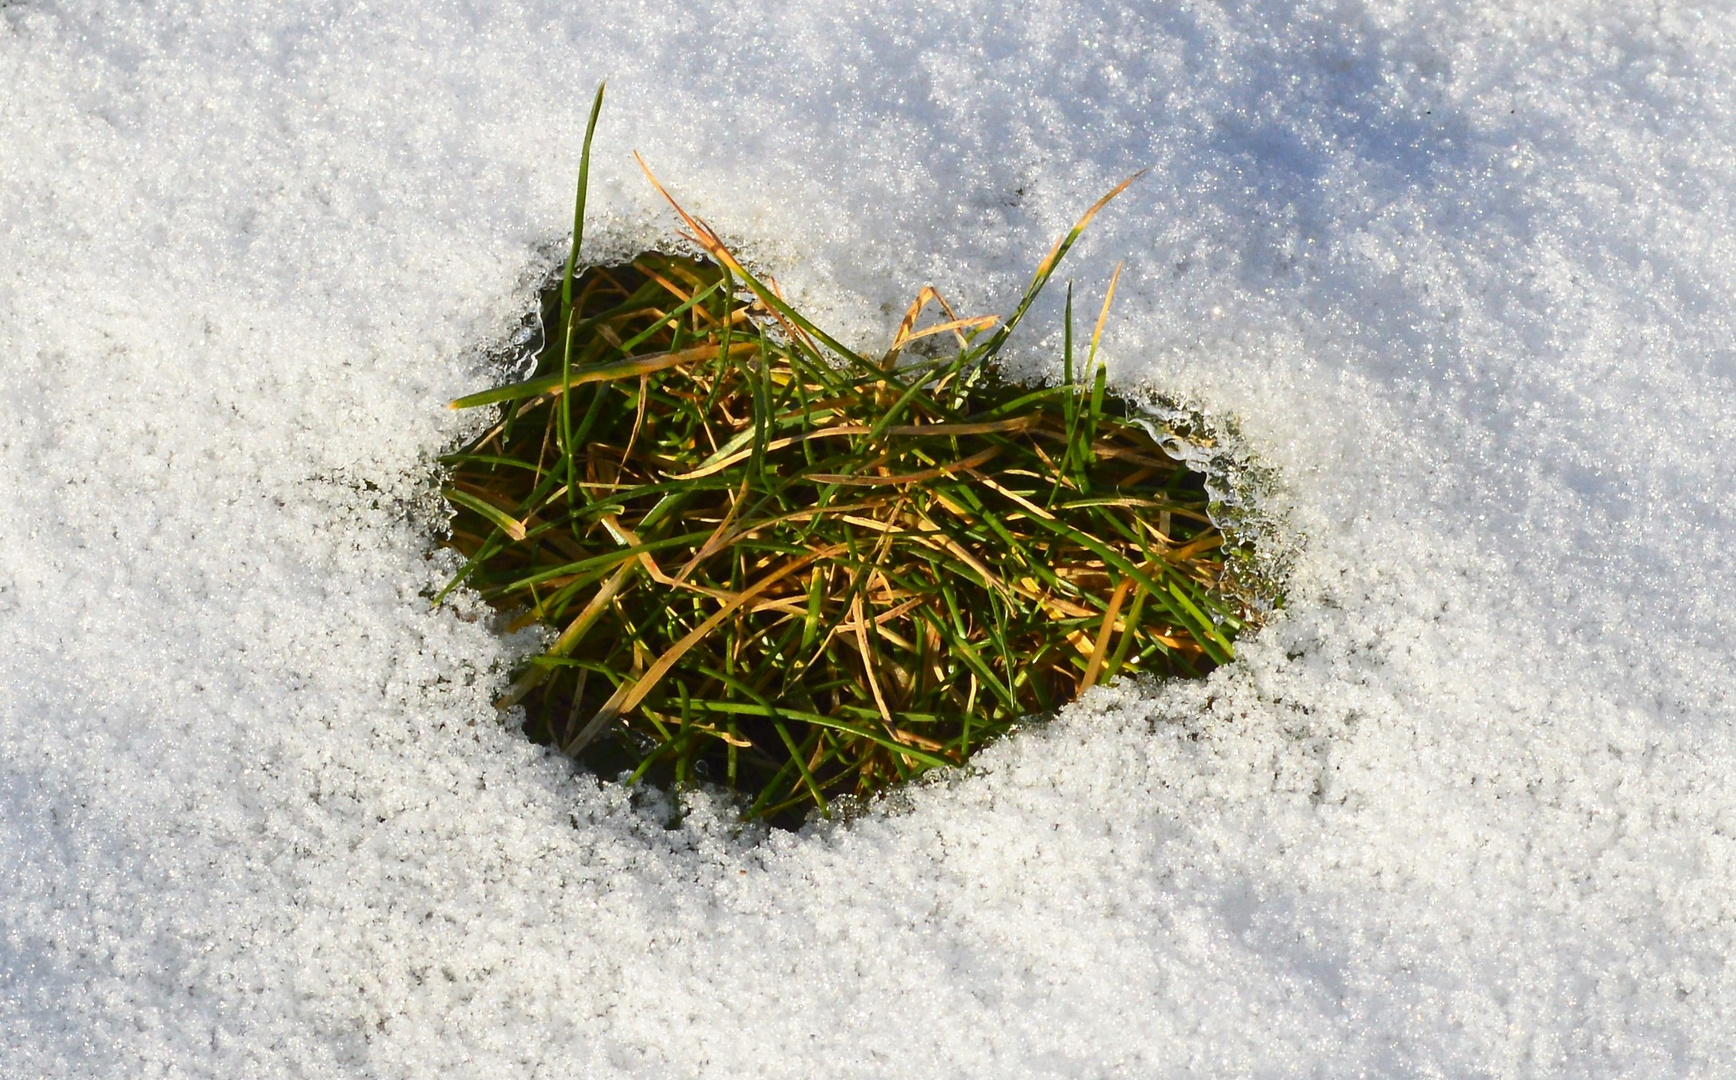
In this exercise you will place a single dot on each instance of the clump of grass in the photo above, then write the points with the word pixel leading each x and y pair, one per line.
pixel 776 564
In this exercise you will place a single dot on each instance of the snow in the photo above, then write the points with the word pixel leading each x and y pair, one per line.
pixel 1462 272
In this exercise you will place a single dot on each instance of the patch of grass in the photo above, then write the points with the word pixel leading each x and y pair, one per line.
pixel 776 564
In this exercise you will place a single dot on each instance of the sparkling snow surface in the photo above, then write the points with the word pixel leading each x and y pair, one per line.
pixel 1466 277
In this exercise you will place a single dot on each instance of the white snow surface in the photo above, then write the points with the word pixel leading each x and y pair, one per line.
pixel 1464 273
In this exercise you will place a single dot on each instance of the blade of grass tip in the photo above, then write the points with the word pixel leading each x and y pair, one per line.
pixel 907 331
pixel 579 205
pixel 923 298
pixel 494 514
pixel 958 326
pixel 718 250
pixel 1046 268
pixel 622 369
pixel 1103 317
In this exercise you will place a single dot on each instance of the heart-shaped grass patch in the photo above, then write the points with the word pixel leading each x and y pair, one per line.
pixel 772 563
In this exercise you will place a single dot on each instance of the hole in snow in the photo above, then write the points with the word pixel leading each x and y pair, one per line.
pixel 806 576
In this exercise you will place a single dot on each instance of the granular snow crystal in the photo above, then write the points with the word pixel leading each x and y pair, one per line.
pixel 1460 273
